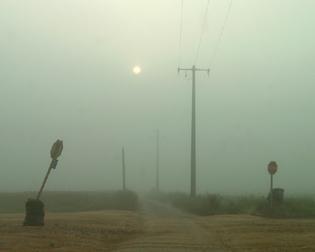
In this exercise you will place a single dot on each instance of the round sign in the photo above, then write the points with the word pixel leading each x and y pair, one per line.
pixel 56 149
pixel 272 167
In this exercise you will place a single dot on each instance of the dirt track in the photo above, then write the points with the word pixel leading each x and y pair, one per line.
pixel 157 228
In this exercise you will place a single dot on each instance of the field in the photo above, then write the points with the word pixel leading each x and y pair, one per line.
pixel 149 226
pixel 80 231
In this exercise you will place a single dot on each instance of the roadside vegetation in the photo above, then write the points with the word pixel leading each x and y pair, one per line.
pixel 66 201
pixel 212 204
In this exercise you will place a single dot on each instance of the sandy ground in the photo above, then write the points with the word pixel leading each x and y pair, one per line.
pixel 157 227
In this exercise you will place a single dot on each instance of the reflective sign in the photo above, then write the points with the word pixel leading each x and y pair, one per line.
pixel 54 163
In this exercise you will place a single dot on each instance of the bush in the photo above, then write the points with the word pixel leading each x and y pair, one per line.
pixel 211 204
pixel 66 201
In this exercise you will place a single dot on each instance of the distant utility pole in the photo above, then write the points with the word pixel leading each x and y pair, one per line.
pixel 123 168
pixel 193 129
pixel 157 185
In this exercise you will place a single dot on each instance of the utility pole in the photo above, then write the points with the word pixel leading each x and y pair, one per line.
pixel 123 168
pixel 193 129
pixel 157 185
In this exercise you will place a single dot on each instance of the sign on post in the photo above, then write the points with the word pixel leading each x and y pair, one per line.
pixel 54 163
pixel 55 152
pixel 272 167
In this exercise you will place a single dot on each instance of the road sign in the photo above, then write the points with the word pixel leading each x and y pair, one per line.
pixel 272 167
pixel 54 163
pixel 56 149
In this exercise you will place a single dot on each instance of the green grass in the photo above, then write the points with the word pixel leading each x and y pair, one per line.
pixel 212 204
pixel 67 201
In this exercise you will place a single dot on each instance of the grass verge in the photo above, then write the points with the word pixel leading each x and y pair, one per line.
pixel 211 204
pixel 67 201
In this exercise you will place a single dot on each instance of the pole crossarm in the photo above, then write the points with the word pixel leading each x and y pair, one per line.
pixel 193 69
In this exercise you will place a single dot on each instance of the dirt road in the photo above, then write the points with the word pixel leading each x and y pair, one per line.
pixel 157 227
pixel 169 229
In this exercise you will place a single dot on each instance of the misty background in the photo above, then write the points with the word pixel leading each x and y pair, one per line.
pixel 66 73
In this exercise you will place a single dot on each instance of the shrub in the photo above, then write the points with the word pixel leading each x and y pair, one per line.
pixel 66 201
pixel 211 204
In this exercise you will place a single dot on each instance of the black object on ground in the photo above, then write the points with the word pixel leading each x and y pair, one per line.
pixel 277 195
pixel 34 213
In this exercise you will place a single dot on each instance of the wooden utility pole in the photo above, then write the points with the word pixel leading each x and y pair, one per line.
pixel 157 186
pixel 193 129
pixel 123 168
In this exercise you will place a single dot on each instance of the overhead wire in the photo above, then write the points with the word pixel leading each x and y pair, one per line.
pixel 219 40
pixel 203 27
pixel 216 48
pixel 180 32
pixel 169 107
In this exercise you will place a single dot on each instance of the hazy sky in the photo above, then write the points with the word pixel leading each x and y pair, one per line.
pixel 66 73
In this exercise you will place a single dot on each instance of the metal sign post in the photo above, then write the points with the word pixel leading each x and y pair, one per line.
pixel 55 152
pixel 271 188
pixel 272 169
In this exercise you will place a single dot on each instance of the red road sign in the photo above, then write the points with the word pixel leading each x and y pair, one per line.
pixel 272 167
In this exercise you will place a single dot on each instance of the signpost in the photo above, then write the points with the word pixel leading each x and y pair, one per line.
pixel 272 169
pixel 55 152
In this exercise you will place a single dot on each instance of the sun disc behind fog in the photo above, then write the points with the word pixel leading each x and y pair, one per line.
pixel 136 70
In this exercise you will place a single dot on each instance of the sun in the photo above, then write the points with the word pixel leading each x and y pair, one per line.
pixel 136 70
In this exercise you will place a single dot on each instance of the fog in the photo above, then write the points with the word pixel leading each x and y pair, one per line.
pixel 66 72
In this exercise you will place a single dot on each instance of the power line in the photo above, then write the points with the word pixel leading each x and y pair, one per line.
pixel 165 110
pixel 203 27
pixel 170 105
pixel 216 48
pixel 218 40
pixel 180 33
